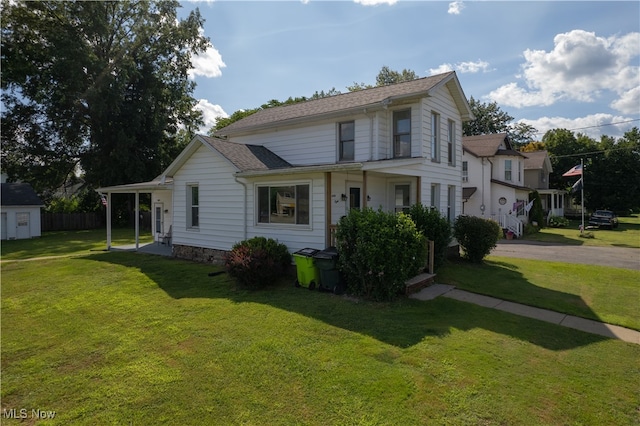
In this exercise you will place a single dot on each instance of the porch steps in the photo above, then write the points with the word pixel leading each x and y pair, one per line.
pixel 419 282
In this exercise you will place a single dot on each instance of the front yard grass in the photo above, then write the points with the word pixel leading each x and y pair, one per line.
pixel 627 234
pixel 128 338
pixel 65 243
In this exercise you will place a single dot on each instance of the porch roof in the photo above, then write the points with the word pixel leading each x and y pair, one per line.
pixel 510 185
pixel 156 184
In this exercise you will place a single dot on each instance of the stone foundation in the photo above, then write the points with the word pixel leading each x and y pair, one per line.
pixel 199 254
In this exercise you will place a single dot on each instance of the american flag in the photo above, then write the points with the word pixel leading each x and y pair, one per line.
pixel 575 171
pixel 104 200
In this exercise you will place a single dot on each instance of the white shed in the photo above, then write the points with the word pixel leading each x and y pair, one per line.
pixel 20 211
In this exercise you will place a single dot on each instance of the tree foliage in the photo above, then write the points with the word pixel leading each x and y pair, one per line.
pixel 489 119
pixel 100 87
pixel 611 168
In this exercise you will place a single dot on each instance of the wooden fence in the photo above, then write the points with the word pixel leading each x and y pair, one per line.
pixel 71 221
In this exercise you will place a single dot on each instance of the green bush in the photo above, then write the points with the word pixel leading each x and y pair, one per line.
pixel 257 262
pixel 378 252
pixel 434 227
pixel 536 214
pixel 558 221
pixel 477 236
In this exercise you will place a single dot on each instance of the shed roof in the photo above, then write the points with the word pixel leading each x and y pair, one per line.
pixel 19 194
pixel 247 157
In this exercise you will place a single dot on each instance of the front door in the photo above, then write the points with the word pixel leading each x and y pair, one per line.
pixel 23 229
pixel 158 219
pixel 355 196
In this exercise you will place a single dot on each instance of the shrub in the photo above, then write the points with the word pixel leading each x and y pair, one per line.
pixel 257 262
pixel 434 227
pixel 378 252
pixel 558 221
pixel 476 236
pixel 536 214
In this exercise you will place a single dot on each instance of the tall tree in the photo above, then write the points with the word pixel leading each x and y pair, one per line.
pixel 96 86
pixel 385 77
pixel 489 118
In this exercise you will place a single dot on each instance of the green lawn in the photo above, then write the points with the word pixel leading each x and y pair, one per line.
pixel 128 338
pixel 63 243
pixel 626 235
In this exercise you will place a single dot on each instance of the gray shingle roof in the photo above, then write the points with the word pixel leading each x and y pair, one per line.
pixel 488 145
pixel 19 194
pixel 247 157
pixel 336 104
pixel 535 159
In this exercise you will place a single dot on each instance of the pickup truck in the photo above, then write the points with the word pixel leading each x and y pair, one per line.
pixel 604 218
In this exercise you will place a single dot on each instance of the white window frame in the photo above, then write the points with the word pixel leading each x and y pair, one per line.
pixel 435 137
pixel 190 206
pixel 451 203
pixel 465 171
pixel 451 143
pixel 398 144
pixel 341 142
pixel 508 173
pixel 270 185
pixel 435 196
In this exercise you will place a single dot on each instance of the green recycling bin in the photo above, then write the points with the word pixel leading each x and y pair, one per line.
pixel 327 264
pixel 307 273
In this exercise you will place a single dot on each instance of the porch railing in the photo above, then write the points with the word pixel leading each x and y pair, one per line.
pixel 511 223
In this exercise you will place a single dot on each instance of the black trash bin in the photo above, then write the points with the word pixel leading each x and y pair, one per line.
pixel 327 263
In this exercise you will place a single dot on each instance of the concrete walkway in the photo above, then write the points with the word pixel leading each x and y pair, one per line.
pixel 577 323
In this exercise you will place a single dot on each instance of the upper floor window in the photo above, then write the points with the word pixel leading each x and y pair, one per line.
pixel 402 133
pixel 287 204
pixel 451 143
pixel 519 171
pixel 465 171
pixel 435 136
pixel 193 206
pixel 346 145
pixel 507 170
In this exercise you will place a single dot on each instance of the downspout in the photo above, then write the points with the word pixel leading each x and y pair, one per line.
pixel 245 207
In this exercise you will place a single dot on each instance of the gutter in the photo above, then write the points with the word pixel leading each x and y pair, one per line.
pixel 301 169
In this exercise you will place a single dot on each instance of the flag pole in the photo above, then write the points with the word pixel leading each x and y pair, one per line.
pixel 582 191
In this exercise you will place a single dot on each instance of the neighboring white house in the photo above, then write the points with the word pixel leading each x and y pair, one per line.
pixel 493 180
pixel 537 168
pixel 292 172
pixel 20 212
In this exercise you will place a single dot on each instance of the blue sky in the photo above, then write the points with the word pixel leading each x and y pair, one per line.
pixel 573 65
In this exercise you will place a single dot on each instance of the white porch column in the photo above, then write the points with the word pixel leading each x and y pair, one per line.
pixel 137 210
pixel 108 220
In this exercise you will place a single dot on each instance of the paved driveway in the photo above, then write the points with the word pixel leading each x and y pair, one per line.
pixel 619 257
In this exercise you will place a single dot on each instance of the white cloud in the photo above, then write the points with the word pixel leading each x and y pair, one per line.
pixel 581 67
pixel 629 102
pixel 375 2
pixel 593 125
pixel 207 64
pixel 461 67
pixel 455 8
pixel 210 114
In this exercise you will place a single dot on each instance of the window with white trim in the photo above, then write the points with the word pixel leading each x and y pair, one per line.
pixel 451 203
pixel 402 133
pixel 507 170
pixel 451 143
pixel 435 136
pixel 193 205
pixel 283 204
pixel 435 196
pixel 519 171
pixel 465 171
pixel 346 143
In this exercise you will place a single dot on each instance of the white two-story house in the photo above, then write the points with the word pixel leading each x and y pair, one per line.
pixel 493 181
pixel 292 172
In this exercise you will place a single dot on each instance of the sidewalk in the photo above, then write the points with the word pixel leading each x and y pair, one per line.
pixel 577 323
